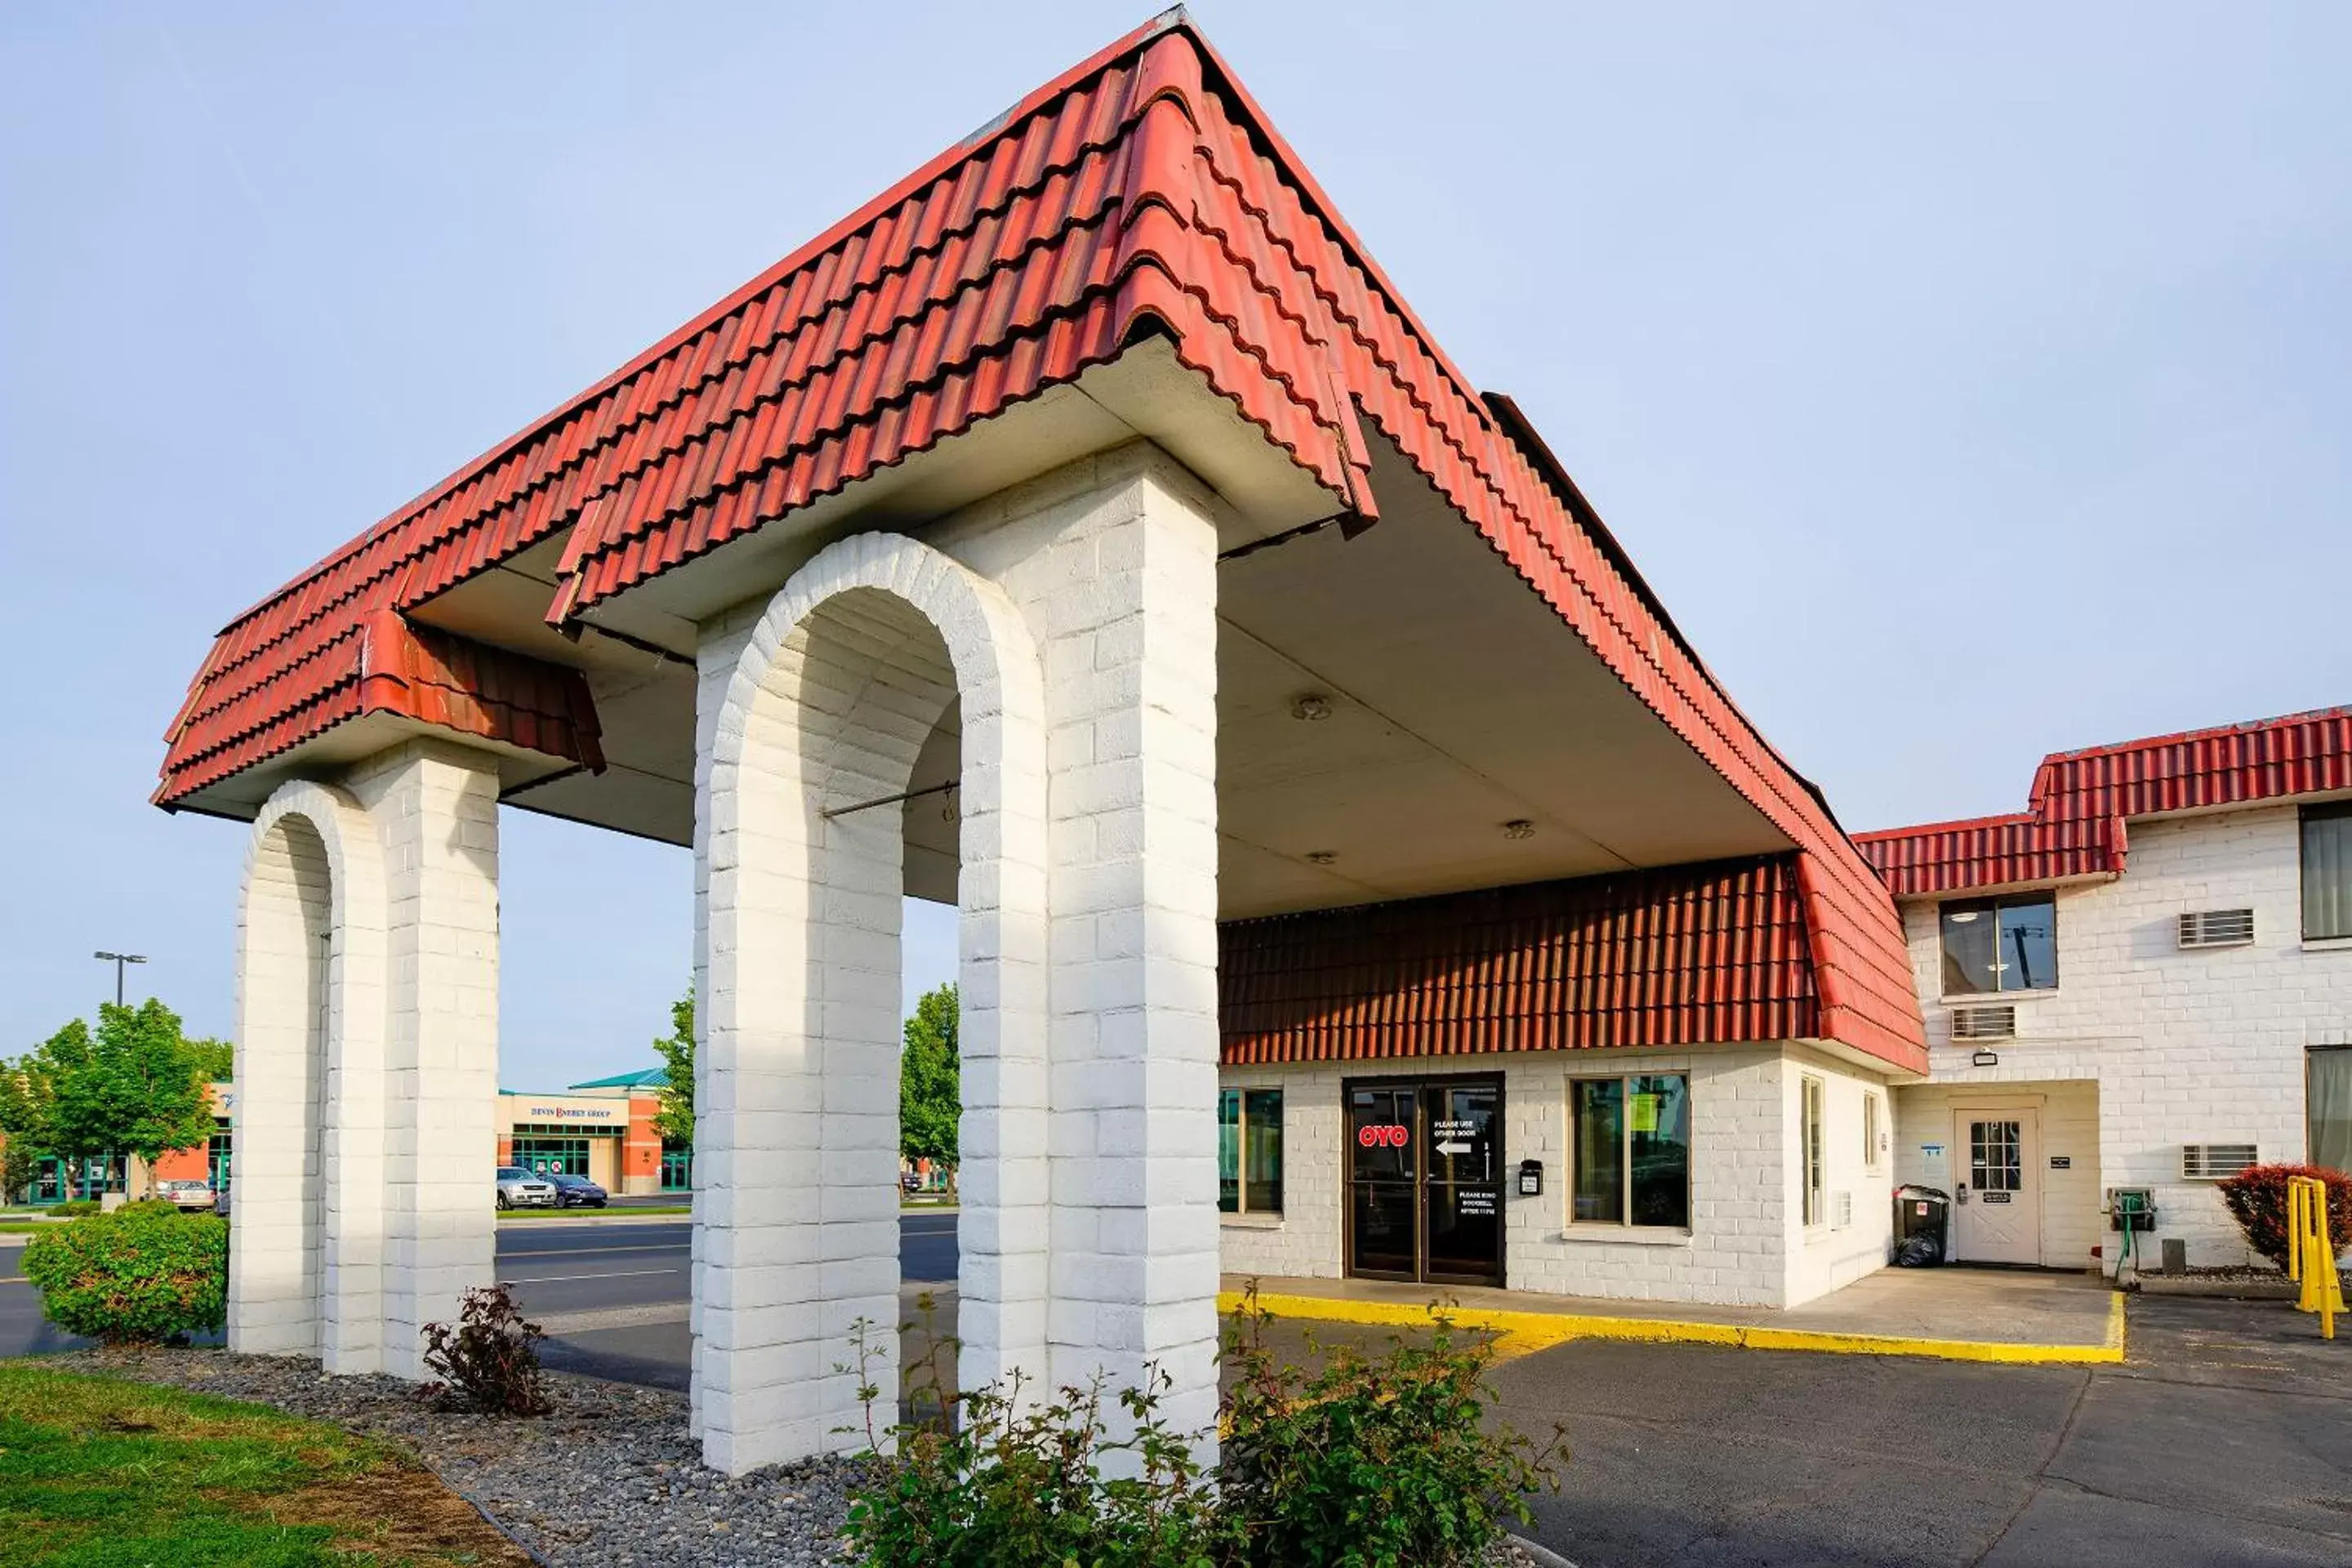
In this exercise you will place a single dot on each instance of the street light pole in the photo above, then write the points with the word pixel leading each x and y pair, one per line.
pixel 120 960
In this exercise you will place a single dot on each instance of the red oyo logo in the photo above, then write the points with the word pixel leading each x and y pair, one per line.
pixel 1383 1135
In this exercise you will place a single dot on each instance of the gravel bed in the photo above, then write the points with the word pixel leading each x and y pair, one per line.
pixel 609 1477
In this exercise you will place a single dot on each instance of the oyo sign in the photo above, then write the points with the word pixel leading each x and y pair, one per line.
pixel 1383 1135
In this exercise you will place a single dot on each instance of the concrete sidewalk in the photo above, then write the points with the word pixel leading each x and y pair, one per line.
pixel 1958 1314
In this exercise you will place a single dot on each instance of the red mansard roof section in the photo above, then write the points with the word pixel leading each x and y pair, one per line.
pixel 1688 955
pixel 2074 823
pixel 386 665
pixel 1143 193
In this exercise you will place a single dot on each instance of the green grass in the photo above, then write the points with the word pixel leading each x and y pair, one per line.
pixel 632 1212
pixel 23 1226
pixel 99 1473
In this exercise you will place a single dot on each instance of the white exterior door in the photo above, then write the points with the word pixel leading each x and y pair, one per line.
pixel 1997 1190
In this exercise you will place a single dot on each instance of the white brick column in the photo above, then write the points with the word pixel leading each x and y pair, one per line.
pixel 822 702
pixel 306 1162
pixel 435 809
pixel 1127 612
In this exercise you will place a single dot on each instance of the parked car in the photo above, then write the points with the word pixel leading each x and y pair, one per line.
pixel 578 1193
pixel 186 1195
pixel 518 1189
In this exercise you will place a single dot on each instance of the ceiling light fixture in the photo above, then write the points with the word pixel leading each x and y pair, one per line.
pixel 1312 708
pixel 1320 856
pixel 1519 827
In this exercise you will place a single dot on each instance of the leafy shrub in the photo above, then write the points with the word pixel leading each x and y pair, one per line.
pixel 489 1362
pixel 1368 1462
pixel 994 1478
pixel 138 1275
pixel 76 1208
pixel 1375 1460
pixel 2258 1202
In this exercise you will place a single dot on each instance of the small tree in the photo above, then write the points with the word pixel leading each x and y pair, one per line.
pixel 214 1060
pixel 675 1120
pixel 930 1080
pixel 132 1086
pixel 16 1168
pixel 2257 1200
pixel 24 1123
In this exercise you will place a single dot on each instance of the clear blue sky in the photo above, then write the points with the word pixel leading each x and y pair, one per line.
pixel 1971 381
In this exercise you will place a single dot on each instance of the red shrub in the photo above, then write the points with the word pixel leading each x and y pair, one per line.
pixel 489 1362
pixel 2257 1200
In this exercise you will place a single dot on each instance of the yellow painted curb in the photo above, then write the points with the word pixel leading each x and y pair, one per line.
pixel 1522 1333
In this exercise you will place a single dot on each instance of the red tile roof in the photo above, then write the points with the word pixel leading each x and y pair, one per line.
pixel 382 664
pixel 1688 955
pixel 2074 824
pixel 1142 191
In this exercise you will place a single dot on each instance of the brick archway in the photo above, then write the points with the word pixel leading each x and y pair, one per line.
pixel 307 1166
pixel 828 705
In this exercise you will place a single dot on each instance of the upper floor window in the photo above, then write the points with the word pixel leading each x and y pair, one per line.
pixel 2001 944
pixel 2328 870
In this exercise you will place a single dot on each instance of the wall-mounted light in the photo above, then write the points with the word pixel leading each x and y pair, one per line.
pixel 1519 827
pixel 1312 709
pixel 1985 1060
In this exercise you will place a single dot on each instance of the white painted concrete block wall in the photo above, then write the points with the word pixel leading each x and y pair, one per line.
pixel 2200 1046
pixel 1746 1246
pixel 1304 1241
pixel 2068 1114
pixel 1854 1233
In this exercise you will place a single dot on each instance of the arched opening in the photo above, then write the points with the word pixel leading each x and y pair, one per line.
pixel 277 1163
pixel 880 660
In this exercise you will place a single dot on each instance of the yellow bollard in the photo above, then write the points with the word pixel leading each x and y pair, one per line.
pixel 2295 1228
pixel 2311 1252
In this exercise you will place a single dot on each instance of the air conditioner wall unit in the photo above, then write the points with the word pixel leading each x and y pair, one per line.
pixel 2216 1162
pixel 2217 928
pixel 1999 1023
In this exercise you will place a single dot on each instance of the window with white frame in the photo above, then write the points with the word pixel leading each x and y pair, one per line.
pixel 1816 1205
pixel 1631 1161
pixel 2327 871
pixel 1869 1130
pixel 1992 945
pixel 1249 1151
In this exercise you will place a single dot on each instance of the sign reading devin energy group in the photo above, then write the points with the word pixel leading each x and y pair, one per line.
pixel 543 1108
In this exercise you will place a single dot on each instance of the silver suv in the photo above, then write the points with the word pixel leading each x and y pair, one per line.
pixel 518 1189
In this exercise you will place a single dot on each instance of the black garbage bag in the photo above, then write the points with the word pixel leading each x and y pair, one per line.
pixel 1919 1252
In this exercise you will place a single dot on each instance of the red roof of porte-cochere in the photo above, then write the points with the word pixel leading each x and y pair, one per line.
pixel 2073 823
pixel 1714 953
pixel 1142 191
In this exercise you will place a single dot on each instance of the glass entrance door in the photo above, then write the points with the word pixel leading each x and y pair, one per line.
pixel 1383 1137
pixel 1426 1180
pixel 1462 1201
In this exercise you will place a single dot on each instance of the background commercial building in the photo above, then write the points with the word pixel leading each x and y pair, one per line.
pixel 603 1130
pixel 2139 985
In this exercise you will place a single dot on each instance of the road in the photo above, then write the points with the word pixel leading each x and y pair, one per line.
pixel 587 1279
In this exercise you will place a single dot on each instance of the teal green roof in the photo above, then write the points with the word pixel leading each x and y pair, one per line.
pixel 644 1077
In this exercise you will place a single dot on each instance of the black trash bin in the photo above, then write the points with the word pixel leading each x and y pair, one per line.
pixel 1921 1216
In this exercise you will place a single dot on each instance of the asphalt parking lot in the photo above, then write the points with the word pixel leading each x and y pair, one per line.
pixel 2224 1440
